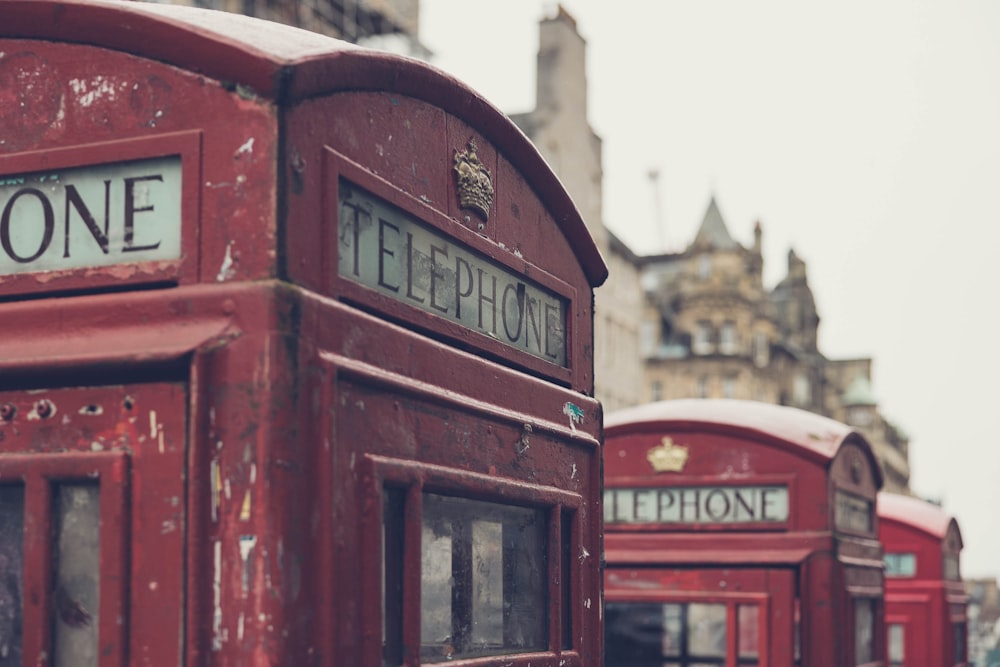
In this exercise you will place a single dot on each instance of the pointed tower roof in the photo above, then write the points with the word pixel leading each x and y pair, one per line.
pixel 713 231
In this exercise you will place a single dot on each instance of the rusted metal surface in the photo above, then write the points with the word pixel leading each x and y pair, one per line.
pixel 701 487
pixel 178 313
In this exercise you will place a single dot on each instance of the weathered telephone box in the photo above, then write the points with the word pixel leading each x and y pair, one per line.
pixel 295 365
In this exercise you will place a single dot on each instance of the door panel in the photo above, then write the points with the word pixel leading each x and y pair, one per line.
pixel 694 618
pixel 94 479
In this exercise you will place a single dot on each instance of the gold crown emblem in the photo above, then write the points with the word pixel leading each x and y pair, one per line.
pixel 475 189
pixel 668 457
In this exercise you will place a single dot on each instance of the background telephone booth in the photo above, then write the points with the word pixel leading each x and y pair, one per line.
pixel 295 365
pixel 739 533
pixel 925 600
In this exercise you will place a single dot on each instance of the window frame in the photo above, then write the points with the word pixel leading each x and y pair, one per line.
pixel 40 475
pixel 414 479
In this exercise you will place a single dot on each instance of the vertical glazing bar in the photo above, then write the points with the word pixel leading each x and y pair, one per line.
pixel 37 569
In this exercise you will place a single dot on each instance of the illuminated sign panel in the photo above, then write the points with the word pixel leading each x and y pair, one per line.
pixel 697 505
pixel 91 216
pixel 390 251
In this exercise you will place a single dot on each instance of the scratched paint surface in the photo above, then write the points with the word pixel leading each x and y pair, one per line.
pixel 147 423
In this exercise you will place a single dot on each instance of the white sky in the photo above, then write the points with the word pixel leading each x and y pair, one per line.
pixel 865 135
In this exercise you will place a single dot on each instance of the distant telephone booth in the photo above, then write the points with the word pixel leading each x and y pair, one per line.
pixel 925 601
pixel 295 364
pixel 739 533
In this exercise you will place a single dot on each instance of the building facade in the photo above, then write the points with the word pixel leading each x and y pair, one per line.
pixel 713 329
pixel 701 322
pixel 560 129
pixel 392 25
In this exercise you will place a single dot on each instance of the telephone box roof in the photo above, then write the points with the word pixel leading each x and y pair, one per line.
pixel 285 64
pixel 916 513
pixel 815 436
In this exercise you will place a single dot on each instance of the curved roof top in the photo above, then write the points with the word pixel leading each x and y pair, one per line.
pixel 916 513
pixel 286 64
pixel 818 436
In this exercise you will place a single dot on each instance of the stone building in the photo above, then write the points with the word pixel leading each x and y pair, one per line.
pixel 713 329
pixel 391 25
pixel 560 129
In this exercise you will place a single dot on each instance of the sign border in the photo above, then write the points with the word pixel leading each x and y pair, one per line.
pixel 185 144
pixel 337 166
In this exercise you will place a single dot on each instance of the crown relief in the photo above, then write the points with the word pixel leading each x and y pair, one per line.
pixel 668 457
pixel 475 185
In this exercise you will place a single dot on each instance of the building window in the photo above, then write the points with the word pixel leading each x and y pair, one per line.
pixel 761 350
pixel 859 415
pixel 704 266
pixel 702 391
pixel 727 338
pixel 702 343
pixel 801 390
pixel 729 386
pixel 656 391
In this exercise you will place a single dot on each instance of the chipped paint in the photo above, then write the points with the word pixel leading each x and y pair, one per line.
pixel 216 482
pixel 95 90
pixel 246 148
pixel 575 414
pixel 572 474
pixel 218 633
pixel 247 505
pixel 247 544
pixel 226 271
pixel 152 424
pixel 524 442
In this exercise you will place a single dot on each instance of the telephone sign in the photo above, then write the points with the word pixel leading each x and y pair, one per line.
pixel 97 215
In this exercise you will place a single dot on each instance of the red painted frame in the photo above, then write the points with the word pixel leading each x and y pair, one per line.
pixel 731 443
pixel 926 603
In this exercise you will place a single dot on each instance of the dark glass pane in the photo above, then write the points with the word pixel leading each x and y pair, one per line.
pixel 864 630
pixel 566 579
pixel 76 555
pixel 634 634
pixel 392 577
pixel 484 583
pixel 11 574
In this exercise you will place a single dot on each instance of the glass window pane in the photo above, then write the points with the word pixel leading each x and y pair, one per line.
pixel 896 644
pixel 673 622
pixel 864 630
pixel 748 626
pixel 707 630
pixel 76 552
pixel 900 565
pixel 634 633
pixel 484 578
pixel 11 574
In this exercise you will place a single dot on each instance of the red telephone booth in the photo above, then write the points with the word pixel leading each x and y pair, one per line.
pixel 925 600
pixel 295 365
pixel 739 533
